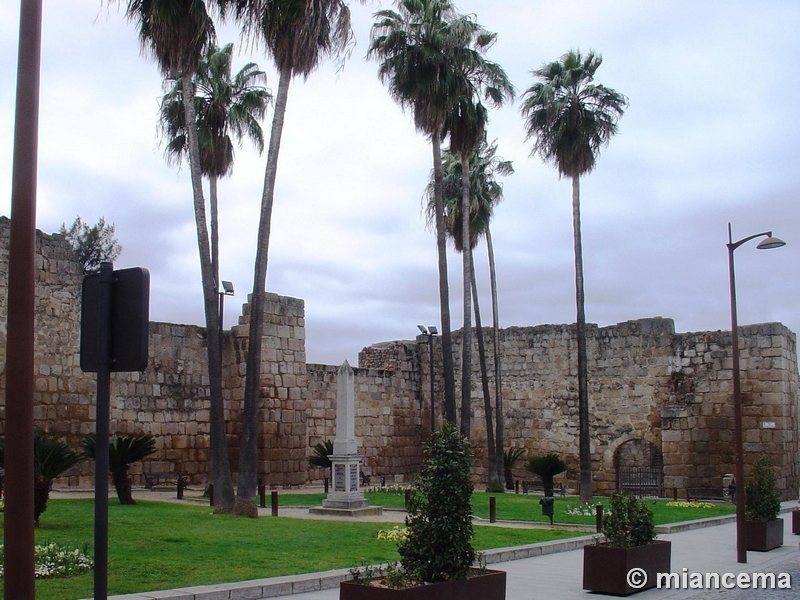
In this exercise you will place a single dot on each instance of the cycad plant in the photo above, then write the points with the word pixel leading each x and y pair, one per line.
pixel 123 451
pixel 510 458
pixel 322 454
pixel 546 466
pixel 51 458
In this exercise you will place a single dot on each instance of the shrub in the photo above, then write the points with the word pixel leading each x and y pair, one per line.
pixel 762 501
pixel 439 542
pixel 629 524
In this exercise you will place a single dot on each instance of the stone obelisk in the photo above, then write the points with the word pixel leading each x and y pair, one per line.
pixel 346 497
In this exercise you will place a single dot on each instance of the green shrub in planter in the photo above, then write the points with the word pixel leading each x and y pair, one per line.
pixel 630 523
pixel 762 501
pixel 439 542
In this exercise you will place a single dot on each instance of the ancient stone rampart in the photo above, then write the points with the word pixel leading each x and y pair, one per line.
pixel 658 399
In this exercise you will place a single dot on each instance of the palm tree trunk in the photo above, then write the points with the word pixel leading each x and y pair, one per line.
pixel 444 289
pixel 494 476
pixel 498 386
pixel 583 370
pixel 248 457
pixel 213 206
pixel 221 473
pixel 466 339
pixel 122 484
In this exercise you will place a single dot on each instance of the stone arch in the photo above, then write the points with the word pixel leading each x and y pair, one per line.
pixel 640 467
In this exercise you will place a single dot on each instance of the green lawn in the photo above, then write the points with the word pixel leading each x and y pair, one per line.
pixel 525 507
pixel 155 546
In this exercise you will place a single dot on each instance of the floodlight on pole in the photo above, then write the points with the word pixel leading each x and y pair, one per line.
pixel 738 436
pixel 227 290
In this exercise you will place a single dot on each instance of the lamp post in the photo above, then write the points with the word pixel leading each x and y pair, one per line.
pixel 227 290
pixel 767 244
pixel 430 332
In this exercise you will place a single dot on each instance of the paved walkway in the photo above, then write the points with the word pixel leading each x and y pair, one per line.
pixel 553 570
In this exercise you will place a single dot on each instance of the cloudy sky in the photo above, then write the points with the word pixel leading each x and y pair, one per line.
pixel 710 137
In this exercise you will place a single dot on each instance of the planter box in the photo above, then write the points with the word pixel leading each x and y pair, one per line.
pixel 489 585
pixel 605 569
pixel 796 521
pixel 763 537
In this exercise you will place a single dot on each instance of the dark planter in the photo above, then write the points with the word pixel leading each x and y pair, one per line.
pixel 796 521
pixel 606 569
pixel 764 536
pixel 489 585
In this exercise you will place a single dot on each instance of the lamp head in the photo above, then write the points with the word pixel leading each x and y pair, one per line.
pixel 433 330
pixel 422 329
pixel 770 243
pixel 227 288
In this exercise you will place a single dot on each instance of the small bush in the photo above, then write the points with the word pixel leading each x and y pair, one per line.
pixel 762 501
pixel 630 523
pixel 439 542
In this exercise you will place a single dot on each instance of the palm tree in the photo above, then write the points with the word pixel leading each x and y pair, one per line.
pixel 175 33
pixel 224 105
pixel 51 458
pixel 571 119
pixel 474 77
pixel 413 46
pixel 123 451
pixel 485 193
pixel 297 34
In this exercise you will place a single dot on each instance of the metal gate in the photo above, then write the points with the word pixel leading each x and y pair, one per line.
pixel 643 482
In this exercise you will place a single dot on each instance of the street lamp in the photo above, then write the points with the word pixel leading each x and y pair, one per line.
pixel 430 332
pixel 227 290
pixel 767 244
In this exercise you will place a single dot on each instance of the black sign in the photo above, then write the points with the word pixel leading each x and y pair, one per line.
pixel 129 321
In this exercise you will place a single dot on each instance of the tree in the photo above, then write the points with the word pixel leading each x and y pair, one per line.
pixel 546 466
pixel 123 451
pixel 474 77
pixel 485 194
pixel 571 119
pixel 92 245
pixel 413 46
pixel 175 33
pixel 224 106
pixel 51 458
pixel 297 34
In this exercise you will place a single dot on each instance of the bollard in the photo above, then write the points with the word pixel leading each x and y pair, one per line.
pixel 326 485
pixel 599 517
pixel 516 486
pixel 211 494
pixel 408 498
pixel 383 481
pixel 262 493
pixel 181 482
pixel 492 509
pixel 675 494
pixel 274 503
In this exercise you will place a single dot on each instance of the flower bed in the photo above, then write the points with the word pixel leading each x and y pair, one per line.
pixel 55 560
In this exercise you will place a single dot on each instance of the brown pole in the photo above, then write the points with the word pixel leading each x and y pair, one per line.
pixel 741 530
pixel 18 515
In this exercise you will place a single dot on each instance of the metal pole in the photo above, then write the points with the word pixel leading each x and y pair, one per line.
pixel 221 314
pixel 433 407
pixel 101 435
pixel 741 532
pixel 18 531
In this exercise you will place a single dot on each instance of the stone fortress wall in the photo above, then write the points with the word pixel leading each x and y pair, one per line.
pixel 656 397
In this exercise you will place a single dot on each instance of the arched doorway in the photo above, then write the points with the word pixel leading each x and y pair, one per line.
pixel 640 469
